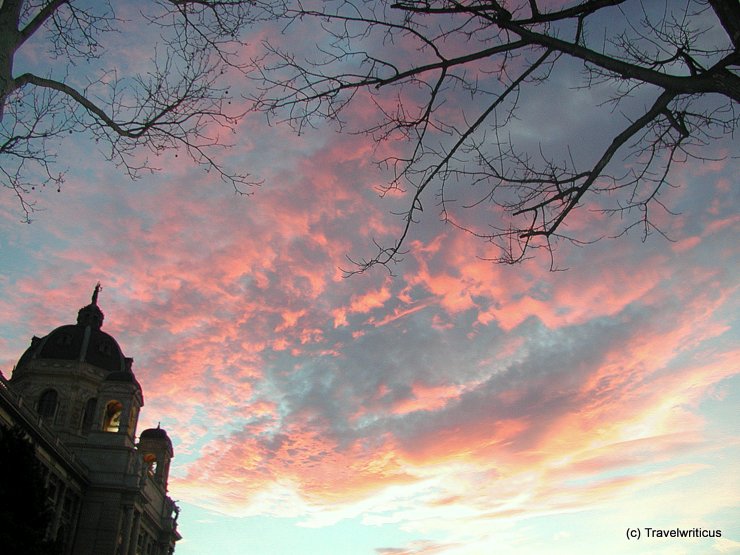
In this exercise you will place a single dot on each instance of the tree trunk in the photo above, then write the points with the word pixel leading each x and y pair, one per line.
pixel 728 12
pixel 9 13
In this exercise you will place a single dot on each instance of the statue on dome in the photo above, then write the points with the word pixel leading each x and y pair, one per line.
pixel 95 294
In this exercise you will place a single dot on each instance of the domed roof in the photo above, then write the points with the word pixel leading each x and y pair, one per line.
pixel 154 439
pixel 83 341
pixel 154 433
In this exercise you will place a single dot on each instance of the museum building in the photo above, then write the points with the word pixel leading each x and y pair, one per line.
pixel 74 395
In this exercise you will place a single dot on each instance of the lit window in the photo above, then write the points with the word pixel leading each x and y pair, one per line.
pixel 113 416
pixel 150 459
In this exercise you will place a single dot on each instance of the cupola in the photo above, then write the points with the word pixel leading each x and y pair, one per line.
pixel 80 342
pixel 156 451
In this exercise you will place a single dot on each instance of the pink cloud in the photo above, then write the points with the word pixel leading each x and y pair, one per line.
pixel 427 398
pixel 459 386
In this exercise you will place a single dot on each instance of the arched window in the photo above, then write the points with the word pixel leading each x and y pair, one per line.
pixel 112 416
pixel 88 417
pixel 64 339
pixel 47 406
pixel 150 460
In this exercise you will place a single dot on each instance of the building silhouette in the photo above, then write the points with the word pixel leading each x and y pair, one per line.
pixel 75 397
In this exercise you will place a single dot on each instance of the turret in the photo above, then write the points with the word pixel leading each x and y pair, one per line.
pixel 156 451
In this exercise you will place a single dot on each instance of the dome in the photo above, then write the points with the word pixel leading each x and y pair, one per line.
pixel 155 433
pixel 83 341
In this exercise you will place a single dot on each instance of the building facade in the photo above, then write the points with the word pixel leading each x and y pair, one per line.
pixel 74 394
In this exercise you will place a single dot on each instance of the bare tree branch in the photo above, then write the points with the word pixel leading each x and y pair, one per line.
pixel 411 57
pixel 177 104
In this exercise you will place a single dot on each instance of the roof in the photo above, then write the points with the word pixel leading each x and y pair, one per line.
pixel 154 433
pixel 83 342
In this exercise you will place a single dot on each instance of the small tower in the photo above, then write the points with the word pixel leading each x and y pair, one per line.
pixel 156 451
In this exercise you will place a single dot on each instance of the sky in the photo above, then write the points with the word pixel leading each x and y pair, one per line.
pixel 458 407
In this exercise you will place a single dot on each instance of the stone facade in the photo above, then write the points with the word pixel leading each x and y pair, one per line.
pixel 75 395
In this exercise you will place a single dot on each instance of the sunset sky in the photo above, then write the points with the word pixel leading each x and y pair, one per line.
pixel 456 408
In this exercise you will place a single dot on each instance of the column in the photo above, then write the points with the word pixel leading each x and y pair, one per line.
pixel 126 532
pixel 135 534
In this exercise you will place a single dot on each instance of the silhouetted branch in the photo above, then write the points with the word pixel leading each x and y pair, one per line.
pixel 478 60
pixel 177 104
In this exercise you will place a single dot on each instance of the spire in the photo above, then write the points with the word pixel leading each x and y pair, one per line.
pixel 91 315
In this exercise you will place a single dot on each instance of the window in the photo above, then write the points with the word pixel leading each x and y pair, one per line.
pixel 64 339
pixel 150 459
pixel 47 406
pixel 52 489
pixel 68 507
pixel 88 417
pixel 112 416
pixel 145 544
